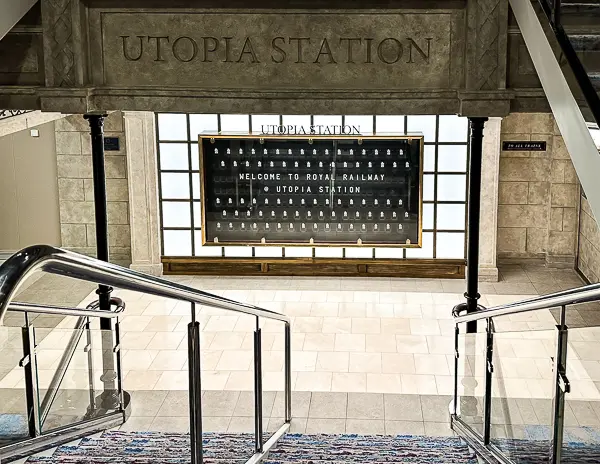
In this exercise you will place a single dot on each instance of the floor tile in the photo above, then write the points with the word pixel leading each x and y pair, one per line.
pixel 141 380
pixel 170 424
pixel 245 404
pixel 435 364
pixel 169 360
pixel 435 408
pixel 398 363
pixel 313 381
pixel 219 403
pixel 335 325
pixel 166 341
pixel 332 361
pixel 438 429
pixel 319 342
pixel 235 360
pixel 146 403
pixel 325 425
pixel 137 424
pixel 365 406
pixel 365 426
pixel 349 342
pixel 411 344
pixel 365 362
pixel 403 407
pixel 173 380
pixel 215 423
pixel 176 404
pixel 349 382
pixel 328 405
pixel 241 425
pixel 384 383
pixel 380 343
pixel 366 325
pixel 404 428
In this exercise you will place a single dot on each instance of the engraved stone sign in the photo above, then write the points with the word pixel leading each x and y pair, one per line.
pixel 272 50
pixel 323 191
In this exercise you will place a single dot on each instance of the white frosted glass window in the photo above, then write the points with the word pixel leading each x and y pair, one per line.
pixel 453 129
pixel 197 215
pixel 200 123
pixel 268 252
pixel 174 156
pixel 235 123
pixel 176 214
pixel 172 127
pixel 328 120
pixel 363 123
pixel 389 124
pixel 451 188
pixel 296 120
pixel 429 158
pixel 389 253
pixel 259 120
pixel 238 251
pixel 298 252
pixel 451 217
pixel 177 242
pixel 195 157
pixel 426 251
pixel 328 252
pixel 428 187
pixel 424 124
pixel 452 158
pixel 450 245
pixel 175 186
pixel 428 216
pixel 363 253
pixel 196 186
pixel 205 250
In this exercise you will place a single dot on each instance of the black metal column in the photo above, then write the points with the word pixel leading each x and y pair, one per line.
pixel 475 160
pixel 110 396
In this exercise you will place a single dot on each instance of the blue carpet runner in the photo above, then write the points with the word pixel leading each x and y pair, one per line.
pixel 221 448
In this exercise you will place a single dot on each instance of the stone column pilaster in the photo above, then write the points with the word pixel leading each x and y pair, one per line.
pixel 143 192
pixel 488 270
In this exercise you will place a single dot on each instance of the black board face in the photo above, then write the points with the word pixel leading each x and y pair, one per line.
pixel 340 191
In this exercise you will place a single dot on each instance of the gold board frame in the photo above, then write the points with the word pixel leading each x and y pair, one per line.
pixel 308 138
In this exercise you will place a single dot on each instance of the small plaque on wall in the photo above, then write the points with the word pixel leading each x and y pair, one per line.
pixel 526 145
pixel 332 191
pixel 111 144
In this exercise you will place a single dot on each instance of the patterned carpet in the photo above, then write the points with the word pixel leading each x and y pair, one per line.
pixel 219 448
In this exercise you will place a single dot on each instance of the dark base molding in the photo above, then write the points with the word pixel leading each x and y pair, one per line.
pixel 419 268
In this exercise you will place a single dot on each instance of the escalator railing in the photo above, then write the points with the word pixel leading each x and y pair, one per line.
pixel 111 409
pixel 522 380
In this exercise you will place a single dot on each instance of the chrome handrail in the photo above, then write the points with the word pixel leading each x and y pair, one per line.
pixel 54 260
pixel 63 310
pixel 585 294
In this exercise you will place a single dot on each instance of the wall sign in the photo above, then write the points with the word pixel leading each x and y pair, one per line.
pixel 324 190
pixel 525 145
pixel 111 144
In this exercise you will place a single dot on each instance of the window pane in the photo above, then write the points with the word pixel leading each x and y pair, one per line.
pixel 389 124
pixel 298 252
pixel 196 186
pixel 172 127
pixel 235 123
pixel 296 120
pixel 328 252
pixel 451 217
pixel 450 245
pixel 268 252
pixel 363 123
pixel 429 158
pixel 424 124
pixel 259 120
pixel 197 215
pixel 452 158
pixel 200 123
pixel 176 214
pixel 205 250
pixel 453 129
pixel 195 157
pixel 390 253
pixel 174 156
pixel 428 216
pixel 328 120
pixel 175 186
pixel 363 253
pixel 426 251
pixel 428 187
pixel 451 188
pixel 238 251
pixel 177 242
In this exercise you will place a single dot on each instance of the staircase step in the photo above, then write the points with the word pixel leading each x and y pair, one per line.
pixel 585 42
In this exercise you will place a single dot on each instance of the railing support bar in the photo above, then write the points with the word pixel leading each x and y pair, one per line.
pixel 90 360
pixel 489 369
pixel 195 390
pixel 561 387
pixel 29 363
pixel 456 356
pixel 258 393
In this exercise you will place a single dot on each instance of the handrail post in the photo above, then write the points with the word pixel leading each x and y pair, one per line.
pixel 29 363
pixel 90 359
pixel 258 393
pixel 489 369
pixel 288 372
pixel 456 356
pixel 560 388
pixel 195 391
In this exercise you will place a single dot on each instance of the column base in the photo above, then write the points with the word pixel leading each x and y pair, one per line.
pixel 488 274
pixel 152 269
